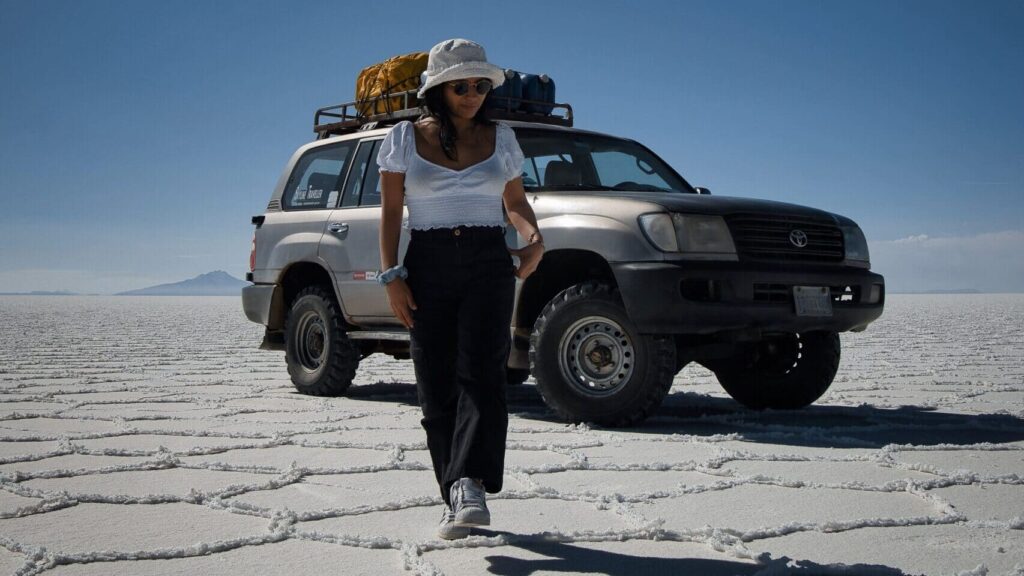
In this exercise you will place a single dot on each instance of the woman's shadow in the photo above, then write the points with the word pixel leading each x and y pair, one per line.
pixel 561 557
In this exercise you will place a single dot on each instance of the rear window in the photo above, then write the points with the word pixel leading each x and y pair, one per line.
pixel 318 177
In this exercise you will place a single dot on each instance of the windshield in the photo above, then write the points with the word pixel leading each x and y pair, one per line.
pixel 557 160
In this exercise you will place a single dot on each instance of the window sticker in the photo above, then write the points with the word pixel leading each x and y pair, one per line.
pixel 332 198
pixel 309 196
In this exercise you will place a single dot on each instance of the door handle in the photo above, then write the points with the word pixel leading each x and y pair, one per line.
pixel 337 227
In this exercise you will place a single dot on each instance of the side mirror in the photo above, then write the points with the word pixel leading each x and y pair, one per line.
pixel 702 190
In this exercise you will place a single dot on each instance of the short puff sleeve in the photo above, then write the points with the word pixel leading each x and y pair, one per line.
pixel 512 153
pixel 393 155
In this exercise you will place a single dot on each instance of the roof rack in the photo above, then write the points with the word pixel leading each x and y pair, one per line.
pixel 346 119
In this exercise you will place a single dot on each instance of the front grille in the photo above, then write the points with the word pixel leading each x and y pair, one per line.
pixel 773 293
pixel 760 237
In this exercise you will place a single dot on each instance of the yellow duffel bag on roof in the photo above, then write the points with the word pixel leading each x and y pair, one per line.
pixel 394 75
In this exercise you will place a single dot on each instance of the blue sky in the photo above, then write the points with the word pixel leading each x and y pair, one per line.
pixel 137 138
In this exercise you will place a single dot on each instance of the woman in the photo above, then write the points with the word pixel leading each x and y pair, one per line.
pixel 454 169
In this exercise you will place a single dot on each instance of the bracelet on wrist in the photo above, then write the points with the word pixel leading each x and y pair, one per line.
pixel 391 273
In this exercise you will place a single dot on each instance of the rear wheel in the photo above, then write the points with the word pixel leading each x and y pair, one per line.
pixel 787 371
pixel 590 363
pixel 322 361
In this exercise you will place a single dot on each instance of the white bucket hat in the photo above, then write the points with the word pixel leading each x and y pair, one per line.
pixel 456 59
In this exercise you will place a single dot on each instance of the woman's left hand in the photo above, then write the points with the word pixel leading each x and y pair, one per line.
pixel 529 258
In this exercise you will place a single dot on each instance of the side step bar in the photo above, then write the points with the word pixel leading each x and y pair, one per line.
pixel 379 335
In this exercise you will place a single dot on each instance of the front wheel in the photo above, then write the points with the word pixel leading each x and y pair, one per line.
pixel 591 364
pixel 322 361
pixel 782 372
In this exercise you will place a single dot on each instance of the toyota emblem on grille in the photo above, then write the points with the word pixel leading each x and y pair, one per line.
pixel 798 238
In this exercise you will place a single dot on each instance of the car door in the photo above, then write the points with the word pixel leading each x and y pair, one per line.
pixel 351 243
pixel 310 193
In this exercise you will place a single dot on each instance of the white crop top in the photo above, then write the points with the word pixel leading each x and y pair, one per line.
pixel 440 197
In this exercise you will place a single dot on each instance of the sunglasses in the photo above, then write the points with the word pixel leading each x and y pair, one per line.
pixel 461 87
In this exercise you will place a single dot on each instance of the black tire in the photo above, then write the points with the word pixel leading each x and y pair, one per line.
pixel 517 376
pixel 682 361
pixel 592 365
pixel 783 372
pixel 322 361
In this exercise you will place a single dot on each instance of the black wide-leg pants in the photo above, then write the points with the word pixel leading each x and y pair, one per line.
pixel 463 282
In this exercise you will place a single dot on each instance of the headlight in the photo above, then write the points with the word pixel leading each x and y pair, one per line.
pixel 703 234
pixel 856 244
pixel 694 235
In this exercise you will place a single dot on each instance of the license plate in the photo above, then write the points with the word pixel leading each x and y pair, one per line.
pixel 812 300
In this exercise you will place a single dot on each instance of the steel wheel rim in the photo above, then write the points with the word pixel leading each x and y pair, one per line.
pixel 596 356
pixel 310 341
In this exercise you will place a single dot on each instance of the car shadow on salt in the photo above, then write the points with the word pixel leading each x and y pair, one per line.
pixel 823 425
pixel 575 559
pixel 817 425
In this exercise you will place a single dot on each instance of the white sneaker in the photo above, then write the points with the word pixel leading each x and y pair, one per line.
pixel 469 503
pixel 447 528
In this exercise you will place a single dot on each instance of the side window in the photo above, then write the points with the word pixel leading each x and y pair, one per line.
pixel 316 180
pixel 539 166
pixel 551 159
pixel 356 183
pixel 562 159
pixel 531 174
pixel 371 197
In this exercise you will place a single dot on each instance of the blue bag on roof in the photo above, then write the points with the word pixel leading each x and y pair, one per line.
pixel 537 87
pixel 520 86
pixel 507 96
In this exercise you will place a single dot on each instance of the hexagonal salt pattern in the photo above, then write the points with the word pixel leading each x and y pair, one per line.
pixel 151 436
pixel 291 557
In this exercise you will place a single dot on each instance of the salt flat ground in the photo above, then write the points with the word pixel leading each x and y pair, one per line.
pixel 151 436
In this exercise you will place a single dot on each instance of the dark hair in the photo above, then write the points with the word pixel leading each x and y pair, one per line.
pixel 438 109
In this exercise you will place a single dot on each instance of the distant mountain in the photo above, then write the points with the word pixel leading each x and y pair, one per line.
pixel 218 283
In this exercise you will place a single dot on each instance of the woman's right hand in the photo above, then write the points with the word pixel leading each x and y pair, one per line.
pixel 400 298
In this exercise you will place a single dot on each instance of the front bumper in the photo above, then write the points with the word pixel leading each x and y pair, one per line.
pixel 717 297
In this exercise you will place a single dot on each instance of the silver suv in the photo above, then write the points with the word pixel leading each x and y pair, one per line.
pixel 642 274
